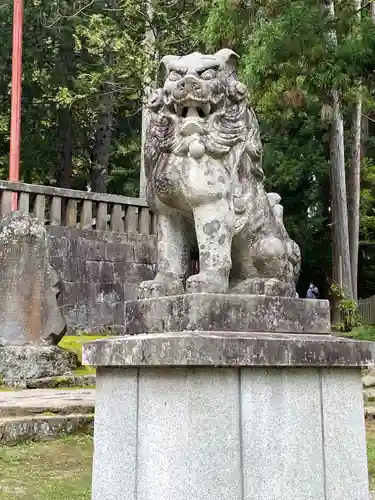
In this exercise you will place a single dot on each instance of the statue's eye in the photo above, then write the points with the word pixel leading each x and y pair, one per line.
pixel 174 76
pixel 208 74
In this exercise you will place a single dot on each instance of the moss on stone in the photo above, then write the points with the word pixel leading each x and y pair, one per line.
pixel 73 343
pixel 85 370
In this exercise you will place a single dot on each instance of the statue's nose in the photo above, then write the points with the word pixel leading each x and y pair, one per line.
pixel 189 83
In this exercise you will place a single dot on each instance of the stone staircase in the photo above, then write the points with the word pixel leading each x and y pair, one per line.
pixel 35 414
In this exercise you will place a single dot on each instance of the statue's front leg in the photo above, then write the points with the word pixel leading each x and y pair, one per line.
pixel 214 225
pixel 172 257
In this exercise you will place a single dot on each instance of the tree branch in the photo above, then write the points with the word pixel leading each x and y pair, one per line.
pixel 364 6
pixel 59 17
pixel 368 118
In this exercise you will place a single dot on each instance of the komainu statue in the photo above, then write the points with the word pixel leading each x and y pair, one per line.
pixel 203 161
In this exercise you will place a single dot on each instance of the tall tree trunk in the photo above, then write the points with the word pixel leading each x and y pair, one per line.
pixel 341 255
pixel 65 68
pixel 354 181
pixel 336 261
pixel 149 45
pixel 102 146
pixel 101 152
pixel 364 135
pixel 65 137
pixel 354 186
pixel 341 266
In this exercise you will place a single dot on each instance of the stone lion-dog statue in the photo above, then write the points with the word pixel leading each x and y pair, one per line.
pixel 203 165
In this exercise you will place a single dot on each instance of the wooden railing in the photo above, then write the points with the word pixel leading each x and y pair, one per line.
pixel 366 308
pixel 79 209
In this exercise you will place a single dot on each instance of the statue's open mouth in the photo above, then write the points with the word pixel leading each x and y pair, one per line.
pixel 192 109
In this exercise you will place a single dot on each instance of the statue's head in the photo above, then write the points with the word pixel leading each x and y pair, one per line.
pixel 201 108
pixel 196 84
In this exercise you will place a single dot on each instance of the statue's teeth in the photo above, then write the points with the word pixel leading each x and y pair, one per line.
pixel 192 111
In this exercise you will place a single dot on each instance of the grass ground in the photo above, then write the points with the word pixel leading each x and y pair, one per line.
pixel 61 469
pixel 52 470
pixel 366 332
pixel 370 431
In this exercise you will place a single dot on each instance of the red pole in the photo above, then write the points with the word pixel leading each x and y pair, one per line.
pixel 15 125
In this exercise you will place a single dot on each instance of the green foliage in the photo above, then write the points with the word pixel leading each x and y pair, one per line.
pixel 348 307
pixel 368 200
pixel 82 61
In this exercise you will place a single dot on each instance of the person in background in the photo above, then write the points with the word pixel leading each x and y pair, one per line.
pixel 312 292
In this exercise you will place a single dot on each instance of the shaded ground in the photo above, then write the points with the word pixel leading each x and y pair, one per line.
pixel 61 469
pixel 53 470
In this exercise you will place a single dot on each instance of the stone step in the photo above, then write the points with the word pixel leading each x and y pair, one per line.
pixel 38 401
pixel 368 380
pixel 65 381
pixel 14 430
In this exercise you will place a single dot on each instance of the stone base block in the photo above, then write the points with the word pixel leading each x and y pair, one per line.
pixel 227 312
pixel 227 416
pixel 19 363
pixel 227 433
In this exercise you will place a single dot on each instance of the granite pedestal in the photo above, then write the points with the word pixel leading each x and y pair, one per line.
pixel 229 415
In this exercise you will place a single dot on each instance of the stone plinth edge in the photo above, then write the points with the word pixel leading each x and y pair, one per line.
pixel 224 349
pixel 227 312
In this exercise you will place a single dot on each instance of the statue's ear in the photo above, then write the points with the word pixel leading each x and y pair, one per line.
pixel 167 60
pixel 227 57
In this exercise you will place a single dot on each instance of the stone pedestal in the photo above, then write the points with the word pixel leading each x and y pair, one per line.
pixel 229 415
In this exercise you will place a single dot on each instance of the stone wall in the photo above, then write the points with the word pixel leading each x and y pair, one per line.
pixel 99 271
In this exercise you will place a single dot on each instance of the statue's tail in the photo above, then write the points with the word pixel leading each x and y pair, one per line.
pixel 277 209
pixel 293 249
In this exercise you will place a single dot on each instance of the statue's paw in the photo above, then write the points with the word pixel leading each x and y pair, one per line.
pixel 160 287
pixel 257 286
pixel 153 288
pixel 206 283
pixel 273 286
